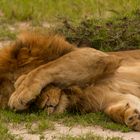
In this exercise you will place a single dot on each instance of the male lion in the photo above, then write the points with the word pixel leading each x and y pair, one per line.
pixel 83 79
pixel 29 51
pixel 101 84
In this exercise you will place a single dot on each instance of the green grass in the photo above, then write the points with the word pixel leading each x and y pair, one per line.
pixel 34 122
pixel 121 33
pixel 48 10
pixel 37 123
pixel 107 26
pixel 88 136
pixel 40 126
pixel 6 34
pixel 45 122
pixel 5 134
pixel 90 119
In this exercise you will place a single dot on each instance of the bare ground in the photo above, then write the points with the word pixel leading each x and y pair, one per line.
pixel 61 130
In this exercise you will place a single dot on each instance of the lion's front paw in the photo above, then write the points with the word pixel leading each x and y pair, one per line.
pixel 20 100
pixel 16 103
pixel 132 119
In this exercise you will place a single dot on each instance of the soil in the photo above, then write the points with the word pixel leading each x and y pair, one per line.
pixel 61 130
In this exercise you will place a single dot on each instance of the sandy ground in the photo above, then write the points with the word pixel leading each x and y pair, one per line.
pixel 61 130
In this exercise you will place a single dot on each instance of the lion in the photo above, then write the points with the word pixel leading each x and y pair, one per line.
pixel 123 109
pixel 58 76
pixel 29 51
pixel 88 80
pixel 79 67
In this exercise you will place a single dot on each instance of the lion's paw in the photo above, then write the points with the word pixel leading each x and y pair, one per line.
pixel 16 103
pixel 20 100
pixel 132 119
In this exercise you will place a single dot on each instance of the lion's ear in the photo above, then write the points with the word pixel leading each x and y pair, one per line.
pixel 111 63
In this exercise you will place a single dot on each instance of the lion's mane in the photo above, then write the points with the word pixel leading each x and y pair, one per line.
pixel 29 51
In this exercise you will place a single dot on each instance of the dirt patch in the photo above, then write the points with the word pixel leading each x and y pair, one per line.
pixel 61 130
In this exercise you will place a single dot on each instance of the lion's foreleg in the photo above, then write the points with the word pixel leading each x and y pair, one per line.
pixel 19 81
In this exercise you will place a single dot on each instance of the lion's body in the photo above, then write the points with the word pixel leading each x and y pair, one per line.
pixel 28 52
pixel 117 95
pixel 101 85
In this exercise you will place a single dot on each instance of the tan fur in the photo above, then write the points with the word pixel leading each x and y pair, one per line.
pixel 52 100
pixel 121 107
pixel 99 85
pixel 81 66
pixel 105 88
pixel 29 51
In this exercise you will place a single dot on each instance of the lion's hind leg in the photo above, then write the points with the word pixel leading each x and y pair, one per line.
pixel 127 113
